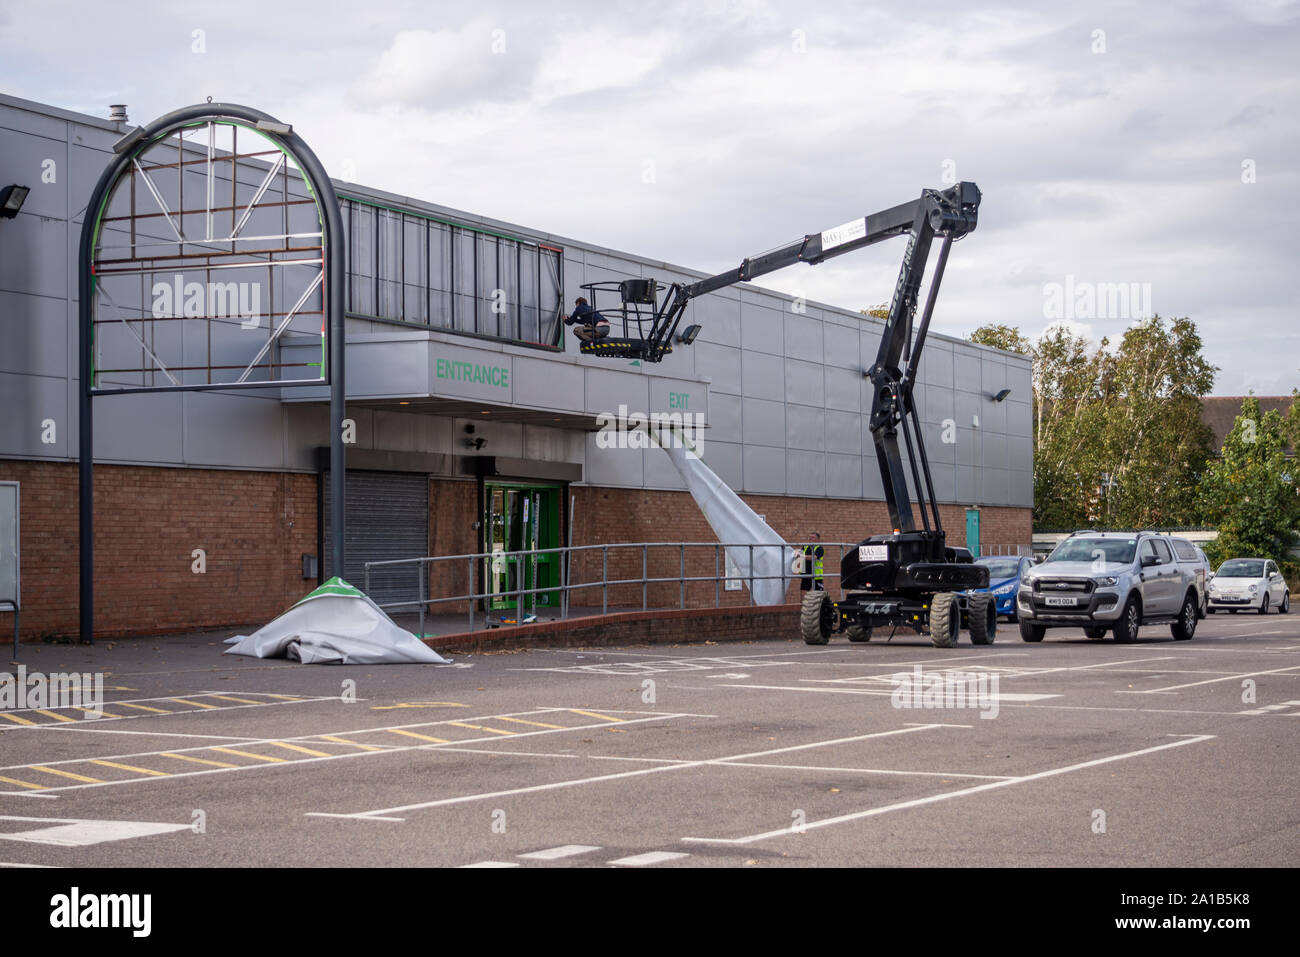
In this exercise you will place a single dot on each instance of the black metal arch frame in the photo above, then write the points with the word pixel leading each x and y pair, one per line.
pixel 334 273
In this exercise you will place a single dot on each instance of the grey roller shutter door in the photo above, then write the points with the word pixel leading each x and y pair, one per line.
pixel 387 518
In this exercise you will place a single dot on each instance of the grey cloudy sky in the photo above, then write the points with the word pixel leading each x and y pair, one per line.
pixel 1112 141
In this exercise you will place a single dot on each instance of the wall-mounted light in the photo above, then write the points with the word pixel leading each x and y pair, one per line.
pixel 687 335
pixel 12 198
pixel 1001 396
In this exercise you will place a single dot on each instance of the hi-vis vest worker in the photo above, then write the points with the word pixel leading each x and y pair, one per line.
pixel 812 565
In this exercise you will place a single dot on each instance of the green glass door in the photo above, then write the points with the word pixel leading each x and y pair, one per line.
pixel 520 521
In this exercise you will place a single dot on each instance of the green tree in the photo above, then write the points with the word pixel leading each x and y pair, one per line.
pixel 1118 438
pixel 1155 445
pixel 1250 492
pixel 1069 424
pixel 1006 338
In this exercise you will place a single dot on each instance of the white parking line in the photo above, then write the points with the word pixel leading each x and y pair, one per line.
pixel 556 853
pixel 576 782
pixel 62 832
pixel 1000 696
pixel 653 857
pixel 886 771
pixel 492 864
pixel 1210 681
pixel 947 795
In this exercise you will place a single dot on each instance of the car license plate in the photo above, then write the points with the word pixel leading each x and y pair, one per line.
pixel 1067 602
pixel 873 553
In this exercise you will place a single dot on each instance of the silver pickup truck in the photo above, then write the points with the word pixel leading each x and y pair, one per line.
pixel 1116 582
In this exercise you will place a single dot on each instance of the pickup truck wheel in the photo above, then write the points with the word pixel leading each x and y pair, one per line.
pixel 1095 633
pixel 1263 604
pixel 1031 632
pixel 1126 626
pixel 858 633
pixel 1185 626
pixel 816 618
pixel 982 615
pixel 945 620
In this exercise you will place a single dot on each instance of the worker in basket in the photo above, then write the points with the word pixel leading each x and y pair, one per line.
pixel 591 324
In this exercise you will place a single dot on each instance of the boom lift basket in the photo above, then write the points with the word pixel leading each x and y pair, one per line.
pixel 631 303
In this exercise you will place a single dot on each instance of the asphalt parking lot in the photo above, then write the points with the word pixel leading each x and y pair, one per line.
pixel 746 754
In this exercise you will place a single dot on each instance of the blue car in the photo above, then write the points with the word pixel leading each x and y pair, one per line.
pixel 1005 572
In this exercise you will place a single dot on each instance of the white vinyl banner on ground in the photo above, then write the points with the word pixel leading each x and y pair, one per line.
pixel 335 624
pixel 732 521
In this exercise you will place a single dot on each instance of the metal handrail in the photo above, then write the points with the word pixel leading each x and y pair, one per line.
pixel 565 588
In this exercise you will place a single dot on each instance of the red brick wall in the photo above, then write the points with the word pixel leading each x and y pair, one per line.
pixel 253 526
pixel 453 510
pixel 652 627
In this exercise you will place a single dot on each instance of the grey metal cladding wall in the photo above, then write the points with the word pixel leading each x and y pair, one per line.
pixel 786 399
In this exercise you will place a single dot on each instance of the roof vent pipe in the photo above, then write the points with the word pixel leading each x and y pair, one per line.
pixel 117 113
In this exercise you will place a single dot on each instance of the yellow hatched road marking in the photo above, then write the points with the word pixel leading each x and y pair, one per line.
pixel 133 768
pixel 418 704
pixel 101 713
pixel 196 704
pixel 593 714
pixel 66 774
pixel 363 747
pixel 422 737
pixel 15 719
pixel 56 715
pixel 294 747
pixel 539 724
pixel 224 697
pixel 141 707
pixel 24 784
pixel 479 727
pixel 250 754
pixel 188 757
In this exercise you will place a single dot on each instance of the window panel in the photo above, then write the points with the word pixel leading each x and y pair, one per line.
pixel 506 304
pixel 415 270
pixel 440 275
pixel 489 323
pixel 412 269
pixel 361 259
pixel 390 265
pixel 529 326
pixel 551 304
pixel 466 301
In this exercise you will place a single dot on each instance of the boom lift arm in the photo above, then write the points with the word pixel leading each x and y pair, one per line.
pixel 949 214
pixel 897 577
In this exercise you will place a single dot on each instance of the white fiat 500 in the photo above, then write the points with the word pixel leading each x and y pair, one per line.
pixel 1255 584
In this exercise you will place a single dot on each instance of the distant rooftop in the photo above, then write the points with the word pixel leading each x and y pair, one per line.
pixel 1219 412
